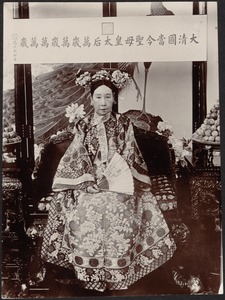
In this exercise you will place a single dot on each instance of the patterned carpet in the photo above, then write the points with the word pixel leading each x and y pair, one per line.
pixel 194 269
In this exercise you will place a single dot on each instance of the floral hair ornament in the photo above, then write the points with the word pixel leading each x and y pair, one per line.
pixel 118 78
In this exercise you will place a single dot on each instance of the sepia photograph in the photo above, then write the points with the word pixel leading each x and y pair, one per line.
pixel 111 152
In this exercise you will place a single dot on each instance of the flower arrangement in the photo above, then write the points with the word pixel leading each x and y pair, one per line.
pixel 180 151
pixel 164 128
pixel 75 112
pixel 118 78
pixel 44 203
pixel 35 231
pixel 37 151
pixel 180 146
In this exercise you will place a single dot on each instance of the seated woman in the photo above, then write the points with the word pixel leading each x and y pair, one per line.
pixel 110 239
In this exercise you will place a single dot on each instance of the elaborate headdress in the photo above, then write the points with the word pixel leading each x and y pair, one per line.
pixel 118 78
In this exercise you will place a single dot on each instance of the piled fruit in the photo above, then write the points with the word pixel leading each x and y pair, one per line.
pixel 9 135
pixel 209 131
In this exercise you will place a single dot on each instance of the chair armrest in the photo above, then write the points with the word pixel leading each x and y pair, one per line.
pixel 46 169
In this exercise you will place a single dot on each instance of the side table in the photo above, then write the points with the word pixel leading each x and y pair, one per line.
pixel 13 236
pixel 205 188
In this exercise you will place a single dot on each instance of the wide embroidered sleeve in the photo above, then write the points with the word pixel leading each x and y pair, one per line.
pixel 75 167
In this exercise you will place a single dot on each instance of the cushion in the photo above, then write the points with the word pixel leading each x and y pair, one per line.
pixel 50 157
pixel 164 192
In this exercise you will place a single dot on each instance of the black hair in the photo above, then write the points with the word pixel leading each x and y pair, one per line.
pixel 108 83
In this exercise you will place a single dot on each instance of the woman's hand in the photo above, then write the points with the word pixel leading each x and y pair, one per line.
pixel 92 189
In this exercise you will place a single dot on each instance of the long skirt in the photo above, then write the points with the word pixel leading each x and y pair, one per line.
pixel 110 240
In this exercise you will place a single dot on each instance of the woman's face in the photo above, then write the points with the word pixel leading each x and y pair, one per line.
pixel 102 100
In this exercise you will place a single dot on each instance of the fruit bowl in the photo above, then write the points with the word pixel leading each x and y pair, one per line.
pixel 209 131
pixel 11 146
pixel 201 140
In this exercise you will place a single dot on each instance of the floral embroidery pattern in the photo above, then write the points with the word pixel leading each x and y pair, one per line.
pixel 110 240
